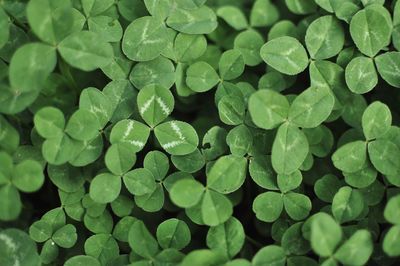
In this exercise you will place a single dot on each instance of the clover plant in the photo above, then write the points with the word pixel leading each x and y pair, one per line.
pixel 199 132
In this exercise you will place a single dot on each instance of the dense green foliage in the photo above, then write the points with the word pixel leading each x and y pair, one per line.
pixel 199 132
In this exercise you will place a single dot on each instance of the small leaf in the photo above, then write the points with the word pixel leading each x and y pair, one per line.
pixel 268 109
pixel 131 133
pixel 376 120
pixel 270 255
pixel 176 137
pixel 85 51
pixel 144 39
pixel 387 65
pixel 350 157
pixel 361 76
pixel 268 206
pixel 105 188
pixel 155 104
pixel 186 193
pixel 312 107
pixel 326 234
pixel 227 174
pixel 227 238
pixel 289 150
pixel 371 29
pixel 139 181
pixel 347 204
pixel 66 236
pixel 215 208
pixel 324 37
pixel 141 241
pixel 173 233
pixel 285 54
pixel 201 77
pixel 197 21
pixel 356 250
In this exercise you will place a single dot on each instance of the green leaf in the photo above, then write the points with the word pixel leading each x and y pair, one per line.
pixel 173 233
pixel 98 103
pixel 297 206
pixel 227 238
pixel 326 234
pixel 130 133
pixel 268 206
pixel 326 187
pixel 30 66
pixel 231 64
pixel 262 173
pixel 141 241
pixel 151 202
pixel 287 183
pixel 107 28
pixel 4 28
pixel 289 150
pixel 139 181
pixel 376 120
pixel 155 104
pixel 387 65
pixel 50 20
pixel 86 51
pixel 392 210
pixel 40 231
pixel 215 208
pixel 105 188
pixel 197 21
pixel 49 122
pixel 227 174
pixel 157 163
pixel 83 125
pixel 201 77
pixel 233 16
pixel 371 29
pixel 49 252
pixel 383 154
pixel 239 140
pixel 16 247
pixel 59 150
pixel 312 107
pixel 159 71
pixel 285 54
pixel 66 177
pixel 66 236
pixel 361 76
pixel 82 260
pixel 272 255
pixel 231 110
pixel 259 18
pixel 186 193
pixel 176 137
pixel 189 163
pixel 324 38
pixel 188 47
pixel 357 249
pixel 347 204
pixel 102 247
pixel 391 243
pixel 95 7
pixel 249 43
pixel 350 157
pixel 144 39
pixel 120 158
pixel 28 176
pixel 268 109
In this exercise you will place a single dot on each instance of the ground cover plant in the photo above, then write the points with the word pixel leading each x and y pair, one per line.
pixel 199 132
